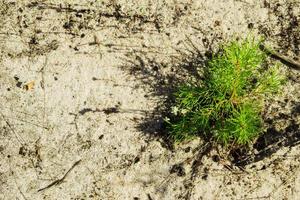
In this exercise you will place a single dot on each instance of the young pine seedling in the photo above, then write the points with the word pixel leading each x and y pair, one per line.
pixel 227 105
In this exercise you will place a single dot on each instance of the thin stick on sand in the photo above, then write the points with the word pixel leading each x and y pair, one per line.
pixel 294 64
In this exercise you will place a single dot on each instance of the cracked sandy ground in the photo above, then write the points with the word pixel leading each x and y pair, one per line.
pixel 68 94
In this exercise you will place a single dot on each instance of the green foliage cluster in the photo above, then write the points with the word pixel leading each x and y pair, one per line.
pixel 228 103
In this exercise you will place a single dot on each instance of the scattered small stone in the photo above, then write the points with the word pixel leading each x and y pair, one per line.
pixel 215 158
pixel 250 25
pixel 22 151
pixel 101 137
pixel 19 84
pixel 204 177
pixel 217 23
pixel 188 149
pixel 178 169
pixel 136 160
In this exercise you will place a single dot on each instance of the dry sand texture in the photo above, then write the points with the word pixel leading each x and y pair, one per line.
pixel 87 80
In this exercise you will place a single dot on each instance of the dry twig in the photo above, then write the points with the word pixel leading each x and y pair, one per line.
pixel 291 62
pixel 59 181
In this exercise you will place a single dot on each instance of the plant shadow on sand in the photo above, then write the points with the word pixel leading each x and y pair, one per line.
pixel 185 66
pixel 272 140
pixel 163 79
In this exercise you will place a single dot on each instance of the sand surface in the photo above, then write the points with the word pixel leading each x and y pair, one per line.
pixel 82 89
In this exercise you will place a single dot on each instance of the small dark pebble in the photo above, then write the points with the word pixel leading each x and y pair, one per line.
pixel 110 123
pixel 68 25
pixel 19 84
pixel 208 54
pixel 188 149
pixel 22 151
pixel 215 158
pixel 253 166
pixel 269 121
pixel 136 160
pixel 217 23
pixel 79 15
pixel 178 169
pixel 101 137
pixel 33 40
pixel 206 170
pixel 296 109
pixel 155 68
pixel 204 177
pixel 250 25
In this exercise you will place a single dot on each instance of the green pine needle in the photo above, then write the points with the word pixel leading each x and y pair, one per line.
pixel 228 104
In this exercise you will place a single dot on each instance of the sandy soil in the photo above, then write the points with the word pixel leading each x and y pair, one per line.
pixel 83 85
